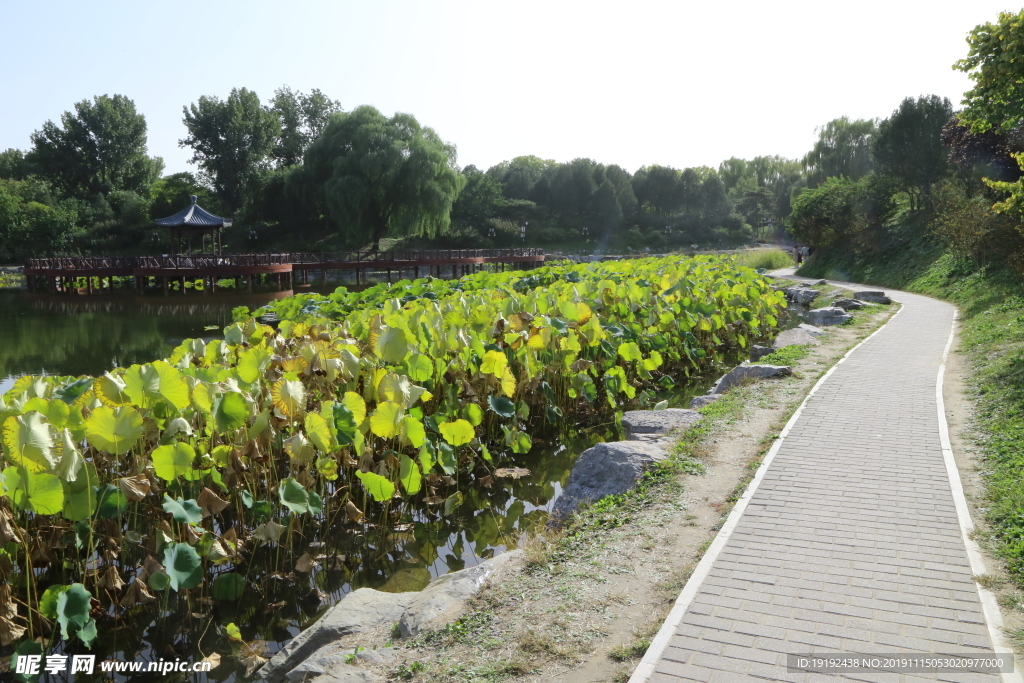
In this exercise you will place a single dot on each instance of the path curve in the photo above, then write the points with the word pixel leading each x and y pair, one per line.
pixel 848 540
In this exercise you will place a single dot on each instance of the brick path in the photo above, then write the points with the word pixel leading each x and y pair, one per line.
pixel 851 542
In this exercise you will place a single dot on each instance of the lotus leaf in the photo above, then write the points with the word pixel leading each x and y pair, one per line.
pixel 355 403
pixel 37 492
pixel 293 496
pixel 183 566
pixel 409 475
pixel 228 587
pixel 253 362
pixel 147 384
pixel 458 432
pixel 319 433
pixel 453 502
pixel 30 441
pixel 501 405
pixel 48 600
pixel 230 412
pixel 115 430
pixel 391 345
pixel 173 460
pixel 299 448
pixel 110 390
pixel 419 368
pixel 494 363
pixel 379 487
pixel 73 607
pixel 473 413
pixel 289 396
pixel 110 502
pixel 387 419
pixel 184 511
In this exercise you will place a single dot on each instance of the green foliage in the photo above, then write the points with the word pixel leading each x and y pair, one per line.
pixel 908 147
pixel 843 150
pixel 787 355
pixel 381 177
pixel 995 63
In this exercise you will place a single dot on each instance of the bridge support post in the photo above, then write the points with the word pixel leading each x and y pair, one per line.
pixel 248 283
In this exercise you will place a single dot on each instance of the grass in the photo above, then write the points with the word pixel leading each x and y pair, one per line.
pixel 787 355
pixel 991 301
pixel 769 259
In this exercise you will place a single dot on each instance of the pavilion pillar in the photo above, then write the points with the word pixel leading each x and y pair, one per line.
pixel 248 284
pixel 166 289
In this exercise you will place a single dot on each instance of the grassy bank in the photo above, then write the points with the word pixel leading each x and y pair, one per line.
pixel 991 301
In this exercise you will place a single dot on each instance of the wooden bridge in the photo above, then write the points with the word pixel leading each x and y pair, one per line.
pixel 67 273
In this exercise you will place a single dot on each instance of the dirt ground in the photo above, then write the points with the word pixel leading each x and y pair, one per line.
pixel 585 603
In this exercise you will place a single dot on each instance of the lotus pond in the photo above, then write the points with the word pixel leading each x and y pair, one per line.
pixel 215 502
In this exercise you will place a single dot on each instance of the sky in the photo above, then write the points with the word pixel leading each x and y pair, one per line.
pixel 681 83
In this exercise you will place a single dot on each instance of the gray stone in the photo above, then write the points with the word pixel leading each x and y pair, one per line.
pixel 700 401
pixel 801 295
pixel 816 331
pixel 657 422
pixel 874 296
pixel 380 656
pixel 849 304
pixel 744 372
pixel 821 282
pixel 757 352
pixel 359 611
pixel 445 598
pixel 330 668
pixel 794 337
pixel 604 470
pixel 350 675
pixel 830 315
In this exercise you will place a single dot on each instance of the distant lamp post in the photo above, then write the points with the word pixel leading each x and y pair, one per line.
pixel 522 230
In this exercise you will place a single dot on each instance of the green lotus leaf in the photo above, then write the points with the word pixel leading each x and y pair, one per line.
pixel 458 432
pixel 446 458
pixel 26 648
pixel 29 440
pixel 48 601
pixel 494 363
pixel 115 430
pixel 409 475
pixel 253 362
pixel 299 448
pixel 420 368
pixel 327 468
pixel 147 384
pixel 426 459
pixel 453 502
pixel 229 587
pixel 316 503
pixel 289 396
pixel 73 607
pixel 379 487
pixel 630 352
pixel 355 403
pixel 110 502
pixel 259 425
pixel 183 566
pixel 80 493
pixel 319 432
pixel 184 511
pixel 386 419
pixel 37 492
pixel 413 431
pixel 293 496
pixel 345 422
pixel 173 460
pixel 474 413
pixel 110 390
pixel 230 412
pixel 501 405
pixel 56 412
pixel 392 345
pixel 159 581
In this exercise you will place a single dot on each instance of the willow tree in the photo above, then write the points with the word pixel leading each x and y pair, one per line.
pixel 379 177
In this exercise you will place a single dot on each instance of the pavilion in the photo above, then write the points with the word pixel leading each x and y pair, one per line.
pixel 195 220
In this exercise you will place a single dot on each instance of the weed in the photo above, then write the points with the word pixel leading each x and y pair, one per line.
pixel 406 672
pixel 787 355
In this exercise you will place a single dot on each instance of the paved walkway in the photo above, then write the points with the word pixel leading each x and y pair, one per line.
pixel 851 542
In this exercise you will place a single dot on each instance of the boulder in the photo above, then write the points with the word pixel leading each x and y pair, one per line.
pixel 757 352
pixel 380 656
pixel 657 422
pixel 349 674
pixel 821 282
pixel 849 304
pixel 333 668
pixel 604 470
pixel 445 598
pixel 698 402
pixel 794 337
pixel 360 610
pixel 801 295
pixel 744 372
pixel 830 315
pixel 874 296
pixel 816 331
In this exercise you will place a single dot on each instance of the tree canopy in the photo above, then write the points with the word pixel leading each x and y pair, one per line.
pixel 908 145
pixel 843 149
pixel 382 177
pixel 97 149
pixel 995 62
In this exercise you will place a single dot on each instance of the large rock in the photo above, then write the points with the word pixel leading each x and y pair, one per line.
pixel 874 296
pixel 604 470
pixel 333 668
pixel 657 422
pixel 360 610
pixel 816 331
pixel 849 304
pixel 445 598
pixel 801 295
pixel 830 315
pixel 742 373
pixel 757 352
pixel 698 402
pixel 796 336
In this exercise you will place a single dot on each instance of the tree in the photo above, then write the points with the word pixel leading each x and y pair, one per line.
pixel 378 177
pixel 232 142
pixel 479 201
pixel 99 148
pixel 995 62
pixel 843 149
pixel 170 195
pixel 519 176
pixel 13 165
pixel 908 146
pixel 303 118
pixel 657 189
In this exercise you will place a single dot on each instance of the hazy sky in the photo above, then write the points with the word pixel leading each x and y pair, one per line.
pixel 681 83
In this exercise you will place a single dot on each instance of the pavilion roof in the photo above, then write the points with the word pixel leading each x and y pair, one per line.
pixel 193 216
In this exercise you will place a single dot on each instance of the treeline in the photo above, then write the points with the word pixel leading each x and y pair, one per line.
pixel 928 176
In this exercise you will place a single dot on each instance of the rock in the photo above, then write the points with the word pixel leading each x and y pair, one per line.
pixel 606 469
pixel 657 422
pixel 821 282
pixel 794 337
pixel 700 401
pixel 349 674
pixel 816 331
pixel 744 372
pixel 359 611
pixel 849 304
pixel 757 352
pixel 379 656
pixel 801 295
pixel 874 296
pixel 445 598
pixel 830 315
